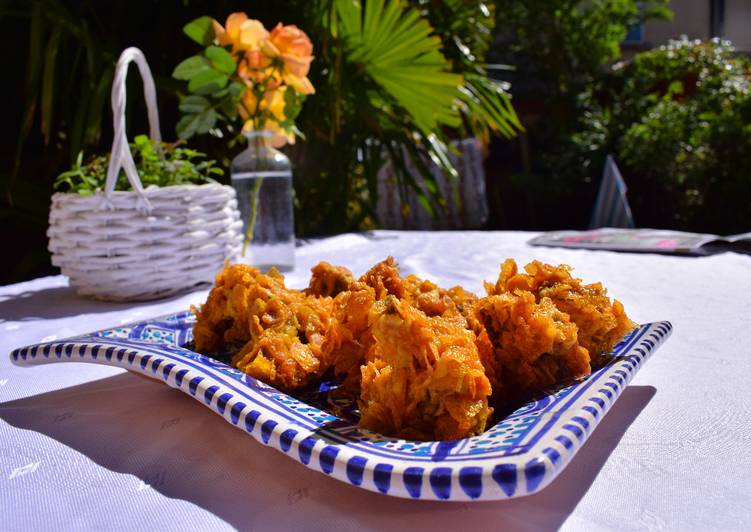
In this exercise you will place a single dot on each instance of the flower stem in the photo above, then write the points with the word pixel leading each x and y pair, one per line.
pixel 255 191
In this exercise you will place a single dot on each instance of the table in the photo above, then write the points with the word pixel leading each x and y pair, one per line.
pixel 92 447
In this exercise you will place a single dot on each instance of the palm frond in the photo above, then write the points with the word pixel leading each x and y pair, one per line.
pixel 487 106
pixel 397 49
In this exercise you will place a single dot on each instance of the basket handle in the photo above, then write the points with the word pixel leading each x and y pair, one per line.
pixel 121 157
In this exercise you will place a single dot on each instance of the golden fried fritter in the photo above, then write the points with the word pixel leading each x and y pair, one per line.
pixel 466 304
pixel 381 281
pixel 423 378
pixel 282 330
pixel 384 278
pixel 424 360
pixel 225 317
pixel 428 297
pixel 329 280
pixel 601 324
pixel 349 337
pixel 535 344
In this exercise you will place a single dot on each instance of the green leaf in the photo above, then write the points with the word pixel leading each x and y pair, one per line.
pixel 675 87
pixel 194 104
pixel 191 67
pixel 34 66
pixel 487 104
pixel 228 106
pixel 236 89
pixel 157 164
pixel 292 105
pixel 207 82
pixel 221 59
pixel 201 30
pixel 48 82
pixel 192 124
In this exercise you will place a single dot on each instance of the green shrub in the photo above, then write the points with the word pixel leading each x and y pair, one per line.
pixel 678 120
pixel 559 50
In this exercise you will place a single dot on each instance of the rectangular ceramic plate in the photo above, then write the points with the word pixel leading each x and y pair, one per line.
pixel 519 455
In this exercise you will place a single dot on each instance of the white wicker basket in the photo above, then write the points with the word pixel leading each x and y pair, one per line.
pixel 146 243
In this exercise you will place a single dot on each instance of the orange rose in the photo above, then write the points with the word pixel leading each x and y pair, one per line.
pixel 254 66
pixel 272 101
pixel 229 34
pixel 292 45
pixel 240 32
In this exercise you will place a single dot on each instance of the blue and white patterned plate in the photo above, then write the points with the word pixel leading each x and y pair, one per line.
pixel 519 455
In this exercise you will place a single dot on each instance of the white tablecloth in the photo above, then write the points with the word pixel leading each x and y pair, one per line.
pixel 92 447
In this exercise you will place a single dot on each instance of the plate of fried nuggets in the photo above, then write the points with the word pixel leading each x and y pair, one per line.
pixel 425 363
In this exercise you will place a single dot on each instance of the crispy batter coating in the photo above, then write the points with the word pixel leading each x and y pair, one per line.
pixel 423 378
pixel 535 344
pixel 601 324
pixel 225 317
pixel 351 334
pixel 329 280
pixel 350 337
pixel 425 361
pixel 282 330
pixel 466 304
pixel 427 296
pixel 384 278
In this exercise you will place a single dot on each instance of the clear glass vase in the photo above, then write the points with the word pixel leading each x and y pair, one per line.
pixel 262 177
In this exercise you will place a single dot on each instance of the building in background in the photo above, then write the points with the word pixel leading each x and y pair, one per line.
pixel 699 19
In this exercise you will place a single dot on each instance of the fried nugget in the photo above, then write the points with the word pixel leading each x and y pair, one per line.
pixel 536 345
pixel 423 378
pixel 349 337
pixel 385 280
pixel 430 298
pixel 466 304
pixel 433 300
pixel 225 317
pixel 427 296
pixel 329 280
pixel 425 361
pixel 282 330
pixel 601 324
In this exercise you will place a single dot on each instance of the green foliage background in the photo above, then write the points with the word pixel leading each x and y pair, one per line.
pixel 395 80
pixel 675 119
pixel 680 132
pixel 376 98
pixel 560 49
pixel 678 119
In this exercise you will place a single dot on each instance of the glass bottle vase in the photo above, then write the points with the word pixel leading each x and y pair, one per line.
pixel 262 177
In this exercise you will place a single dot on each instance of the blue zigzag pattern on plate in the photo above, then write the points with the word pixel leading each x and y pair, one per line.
pixel 518 455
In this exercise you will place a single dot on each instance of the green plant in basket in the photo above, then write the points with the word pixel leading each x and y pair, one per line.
pixel 162 165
